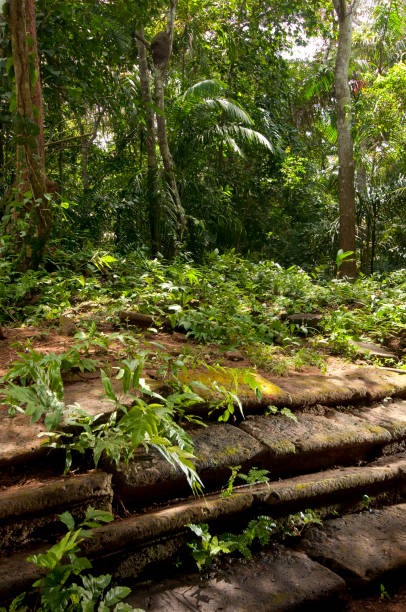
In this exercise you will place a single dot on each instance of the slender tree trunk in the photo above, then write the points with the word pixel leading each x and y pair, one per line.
pixel 60 137
pixel 161 50
pixel 86 141
pixel 152 172
pixel 373 235
pixel 161 61
pixel 346 189
pixel 30 164
pixel 166 154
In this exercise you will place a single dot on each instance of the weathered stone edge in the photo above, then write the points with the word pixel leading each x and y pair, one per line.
pixel 57 493
pixel 138 534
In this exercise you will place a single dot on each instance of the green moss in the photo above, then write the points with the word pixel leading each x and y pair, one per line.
pixel 208 377
pixel 376 429
pixel 282 447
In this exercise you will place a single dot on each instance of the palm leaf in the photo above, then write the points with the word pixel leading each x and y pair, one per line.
pixel 232 111
pixel 204 89
pixel 246 135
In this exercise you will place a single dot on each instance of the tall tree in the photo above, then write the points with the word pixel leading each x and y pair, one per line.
pixel 345 10
pixel 161 51
pixel 29 201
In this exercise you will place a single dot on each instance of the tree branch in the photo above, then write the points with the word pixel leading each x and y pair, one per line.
pixel 141 38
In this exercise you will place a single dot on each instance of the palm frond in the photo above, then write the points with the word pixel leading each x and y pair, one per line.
pixel 232 111
pixel 320 83
pixel 204 89
pixel 234 146
pixel 246 136
pixel 328 131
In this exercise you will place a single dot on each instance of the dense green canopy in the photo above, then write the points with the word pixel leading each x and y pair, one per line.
pixel 249 117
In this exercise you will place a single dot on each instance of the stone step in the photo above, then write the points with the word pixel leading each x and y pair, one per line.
pixel 276 580
pixel 127 547
pixel 358 549
pixel 318 440
pixel 30 512
pixel 361 547
pixel 20 444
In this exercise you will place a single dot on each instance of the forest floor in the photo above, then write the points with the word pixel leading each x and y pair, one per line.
pixel 262 371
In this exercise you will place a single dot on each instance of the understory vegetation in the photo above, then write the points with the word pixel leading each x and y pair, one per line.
pixel 228 301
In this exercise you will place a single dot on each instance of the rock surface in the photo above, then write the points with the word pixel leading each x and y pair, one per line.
pixel 361 547
pixel 275 581
pixel 370 348
pixel 319 439
pixel 216 448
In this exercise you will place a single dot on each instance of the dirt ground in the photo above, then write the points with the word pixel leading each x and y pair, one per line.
pixel 53 340
pixel 396 603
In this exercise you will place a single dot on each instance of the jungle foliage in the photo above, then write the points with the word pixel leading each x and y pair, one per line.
pixel 250 131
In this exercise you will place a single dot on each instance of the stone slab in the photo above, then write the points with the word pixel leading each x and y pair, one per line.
pixel 311 319
pixel 315 441
pixel 19 439
pixel 216 448
pixel 17 574
pixel 361 547
pixel 132 532
pixel 274 581
pixel 348 387
pixel 390 415
pixel 89 395
pixel 330 486
pixel 30 512
pixel 370 348
pixel 54 495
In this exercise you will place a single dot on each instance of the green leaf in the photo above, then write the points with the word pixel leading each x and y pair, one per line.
pixel 68 520
pixel 108 387
pixel 116 594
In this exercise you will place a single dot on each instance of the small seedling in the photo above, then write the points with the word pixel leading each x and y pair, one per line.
pixel 384 593
pixel 282 411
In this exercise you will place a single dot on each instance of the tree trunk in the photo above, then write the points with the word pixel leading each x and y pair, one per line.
pixel 152 172
pixel 346 189
pixel 30 164
pixel 166 154
pixel 161 50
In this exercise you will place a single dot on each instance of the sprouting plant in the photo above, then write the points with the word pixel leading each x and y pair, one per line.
pixel 254 476
pixel 226 385
pixel 230 483
pixel 91 337
pixel 282 411
pixel 260 528
pixel 41 386
pixel 58 589
pixel 209 546
pixel 366 502
pixel 206 547
pixel 147 424
pixel 341 257
pixel 383 593
pixel 294 524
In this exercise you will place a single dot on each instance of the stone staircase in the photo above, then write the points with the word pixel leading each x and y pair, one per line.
pixel 347 442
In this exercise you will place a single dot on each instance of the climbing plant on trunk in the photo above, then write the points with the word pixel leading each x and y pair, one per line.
pixel 346 190
pixel 28 216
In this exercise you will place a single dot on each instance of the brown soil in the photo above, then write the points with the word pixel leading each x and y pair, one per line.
pixel 397 603
pixel 48 340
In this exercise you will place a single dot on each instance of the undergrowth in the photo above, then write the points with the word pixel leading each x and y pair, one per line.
pixel 67 585
pixel 205 547
pixel 227 300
